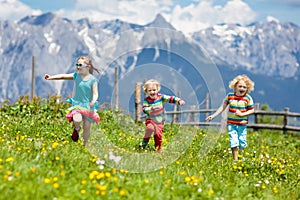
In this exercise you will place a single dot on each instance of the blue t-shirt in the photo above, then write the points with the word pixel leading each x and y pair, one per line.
pixel 83 92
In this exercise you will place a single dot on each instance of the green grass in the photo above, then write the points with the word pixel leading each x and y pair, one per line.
pixel 38 160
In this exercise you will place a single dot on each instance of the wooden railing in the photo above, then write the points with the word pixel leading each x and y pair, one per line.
pixel 190 119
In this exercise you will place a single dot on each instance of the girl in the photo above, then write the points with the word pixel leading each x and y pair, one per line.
pixel 84 103
pixel 240 106
pixel 154 110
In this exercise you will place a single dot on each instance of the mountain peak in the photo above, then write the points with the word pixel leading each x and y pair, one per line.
pixel 43 19
pixel 160 22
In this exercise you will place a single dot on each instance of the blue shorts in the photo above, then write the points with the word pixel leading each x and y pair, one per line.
pixel 237 135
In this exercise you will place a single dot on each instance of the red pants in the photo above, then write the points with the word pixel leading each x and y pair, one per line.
pixel 157 129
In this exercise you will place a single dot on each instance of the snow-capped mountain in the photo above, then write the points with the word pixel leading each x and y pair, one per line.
pixel 270 48
pixel 268 52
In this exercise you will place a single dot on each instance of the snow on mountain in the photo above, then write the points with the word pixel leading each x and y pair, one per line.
pixel 270 48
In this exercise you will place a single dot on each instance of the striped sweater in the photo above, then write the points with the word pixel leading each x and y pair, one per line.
pixel 154 109
pixel 242 103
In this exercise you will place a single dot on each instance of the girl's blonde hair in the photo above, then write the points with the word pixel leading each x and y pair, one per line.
pixel 235 81
pixel 151 82
pixel 88 62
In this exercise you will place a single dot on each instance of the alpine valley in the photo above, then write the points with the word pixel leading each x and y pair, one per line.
pixel 268 52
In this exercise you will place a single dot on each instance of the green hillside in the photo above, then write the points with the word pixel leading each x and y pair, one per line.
pixel 38 160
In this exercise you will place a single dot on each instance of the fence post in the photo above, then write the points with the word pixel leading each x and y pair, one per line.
pixel 116 90
pixel 256 117
pixel 192 114
pixel 207 104
pixel 285 119
pixel 138 117
pixel 33 78
pixel 176 116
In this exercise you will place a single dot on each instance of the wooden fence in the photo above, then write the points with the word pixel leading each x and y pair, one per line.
pixel 191 119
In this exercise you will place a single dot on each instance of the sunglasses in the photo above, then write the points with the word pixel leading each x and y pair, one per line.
pixel 79 65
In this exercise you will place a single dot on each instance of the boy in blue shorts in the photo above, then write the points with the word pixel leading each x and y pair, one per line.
pixel 240 107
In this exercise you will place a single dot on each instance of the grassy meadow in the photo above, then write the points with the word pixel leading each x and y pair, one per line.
pixel 38 159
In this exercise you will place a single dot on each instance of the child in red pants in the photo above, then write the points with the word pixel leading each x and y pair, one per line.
pixel 155 112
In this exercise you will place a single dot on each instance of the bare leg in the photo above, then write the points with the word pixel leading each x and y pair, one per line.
pixel 77 119
pixel 235 153
pixel 86 131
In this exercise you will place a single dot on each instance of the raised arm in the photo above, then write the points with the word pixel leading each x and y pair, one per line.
pixel 59 77
pixel 220 110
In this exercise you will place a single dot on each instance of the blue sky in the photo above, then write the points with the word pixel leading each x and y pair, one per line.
pixel 185 15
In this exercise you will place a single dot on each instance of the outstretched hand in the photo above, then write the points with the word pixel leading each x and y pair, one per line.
pixel 181 102
pixel 239 113
pixel 47 76
pixel 209 118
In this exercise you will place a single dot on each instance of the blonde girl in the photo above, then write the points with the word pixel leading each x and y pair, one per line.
pixel 84 103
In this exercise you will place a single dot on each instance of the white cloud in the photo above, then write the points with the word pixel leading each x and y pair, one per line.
pixel 198 16
pixel 134 11
pixel 15 10
pixel 193 17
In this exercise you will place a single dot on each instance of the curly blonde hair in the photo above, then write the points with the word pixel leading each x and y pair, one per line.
pixel 151 82
pixel 235 81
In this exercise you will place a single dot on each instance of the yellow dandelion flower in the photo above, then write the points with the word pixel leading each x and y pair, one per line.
pixel 101 187
pixel 187 179
pixel 146 181
pixel 5 177
pixel 107 174
pixel 100 175
pixel 54 145
pixel 10 159
pixel 161 172
pixel 115 179
pixel 82 191
pixel 1 166
pixel 115 189
pixel 211 192
pixel 55 179
pixel 56 185
pixel 122 192
pixel 263 186
pixel 93 174
pixel 275 190
pixel 17 174
pixel 61 166
pixel 83 182
pixel 33 170
pixel 102 193
pixel 57 158
pixel 47 180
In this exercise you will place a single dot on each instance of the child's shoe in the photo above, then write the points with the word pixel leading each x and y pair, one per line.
pixel 75 135
pixel 143 145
